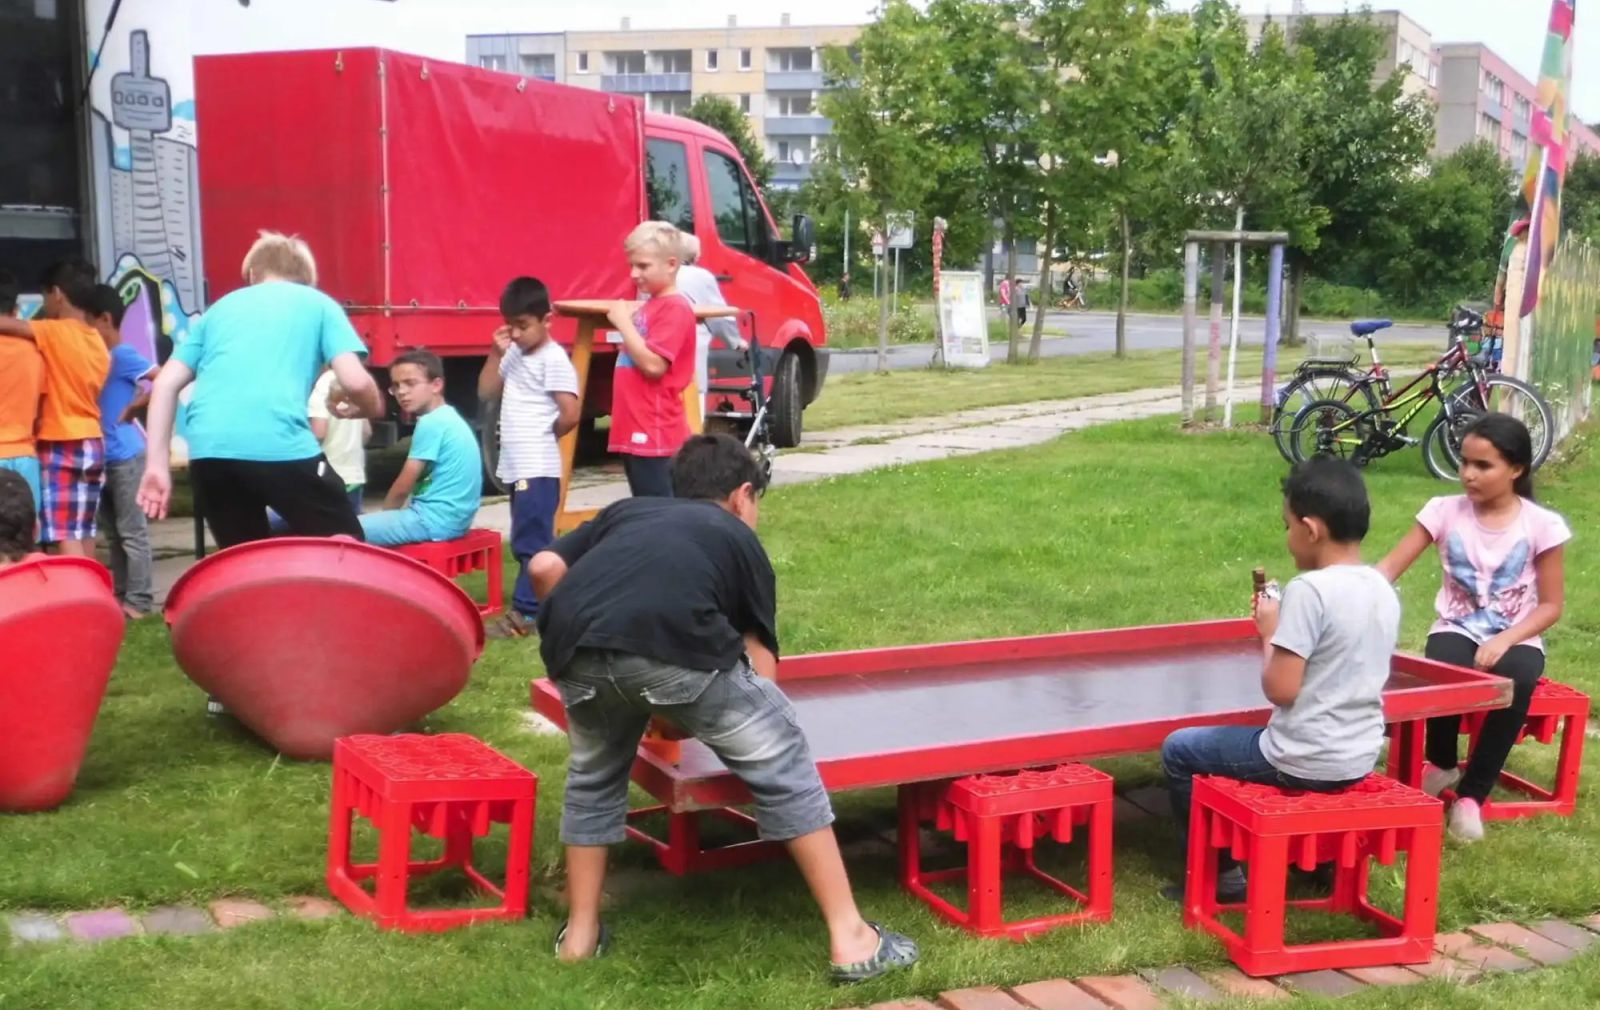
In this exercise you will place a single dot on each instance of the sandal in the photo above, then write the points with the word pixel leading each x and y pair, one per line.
pixel 895 951
pixel 600 948
pixel 510 625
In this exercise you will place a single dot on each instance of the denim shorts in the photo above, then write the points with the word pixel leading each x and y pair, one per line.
pixel 743 718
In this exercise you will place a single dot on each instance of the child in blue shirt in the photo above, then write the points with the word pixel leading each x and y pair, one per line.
pixel 443 474
pixel 120 400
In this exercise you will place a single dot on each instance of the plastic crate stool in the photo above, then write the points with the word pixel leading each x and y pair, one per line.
pixel 1001 817
pixel 452 787
pixel 1554 707
pixel 477 551
pixel 1268 829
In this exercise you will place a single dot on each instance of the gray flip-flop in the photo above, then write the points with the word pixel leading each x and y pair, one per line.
pixel 895 951
pixel 600 948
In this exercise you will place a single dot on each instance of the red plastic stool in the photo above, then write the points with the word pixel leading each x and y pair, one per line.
pixel 1555 707
pixel 1269 829
pixel 477 551
pixel 452 787
pixel 1000 817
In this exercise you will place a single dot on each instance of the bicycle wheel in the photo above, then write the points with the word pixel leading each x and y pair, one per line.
pixel 1308 386
pixel 1441 443
pixel 1325 428
pixel 1507 395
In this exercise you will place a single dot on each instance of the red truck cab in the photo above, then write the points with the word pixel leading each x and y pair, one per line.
pixel 424 186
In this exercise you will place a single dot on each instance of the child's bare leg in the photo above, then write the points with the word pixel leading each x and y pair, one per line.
pixel 850 939
pixel 586 877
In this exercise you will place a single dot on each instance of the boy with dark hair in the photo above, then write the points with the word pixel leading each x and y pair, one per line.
pixel 120 402
pixel 1327 649
pixel 21 388
pixel 666 607
pixel 19 523
pixel 443 473
pixel 534 381
pixel 71 450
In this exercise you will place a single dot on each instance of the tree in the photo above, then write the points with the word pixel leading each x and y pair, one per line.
pixel 1580 198
pixel 880 101
pixel 723 116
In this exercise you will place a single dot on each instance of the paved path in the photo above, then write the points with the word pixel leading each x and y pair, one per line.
pixel 1095 332
pixel 831 453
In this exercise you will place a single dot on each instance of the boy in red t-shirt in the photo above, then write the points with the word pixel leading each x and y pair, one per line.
pixel 655 364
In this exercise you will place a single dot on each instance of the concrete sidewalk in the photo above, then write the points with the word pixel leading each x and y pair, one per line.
pixel 832 453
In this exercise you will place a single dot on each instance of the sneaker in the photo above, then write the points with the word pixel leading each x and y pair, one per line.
pixel 895 951
pixel 215 708
pixel 510 625
pixel 1232 889
pixel 1466 820
pixel 1437 780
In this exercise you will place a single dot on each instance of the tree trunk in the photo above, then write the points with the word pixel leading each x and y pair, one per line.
pixel 1013 333
pixel 1291 329
pixel 1042 303
pixel 883 310
pixel 1127 267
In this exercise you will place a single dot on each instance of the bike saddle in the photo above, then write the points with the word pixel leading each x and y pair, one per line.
pixel 1367 327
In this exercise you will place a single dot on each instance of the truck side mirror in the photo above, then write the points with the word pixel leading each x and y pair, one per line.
pixel 804 238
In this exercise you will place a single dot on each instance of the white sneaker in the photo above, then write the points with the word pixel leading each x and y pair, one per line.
pixel 1466 820
pixel 1437 780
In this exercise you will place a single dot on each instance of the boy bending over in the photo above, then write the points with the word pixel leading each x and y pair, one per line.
pixel 1327 652
pixel 443 474
pixel 666 607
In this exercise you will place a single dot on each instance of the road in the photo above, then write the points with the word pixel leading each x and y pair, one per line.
pixel 1095 332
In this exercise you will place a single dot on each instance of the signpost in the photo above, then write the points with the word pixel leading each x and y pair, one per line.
pixel 902 234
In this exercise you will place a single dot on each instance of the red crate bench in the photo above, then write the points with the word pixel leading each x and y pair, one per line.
pixel 1269 829
pixel 477 551
pixel 451 787
pixel 1001 818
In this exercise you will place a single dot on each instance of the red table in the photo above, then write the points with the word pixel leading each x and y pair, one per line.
pixel 880 717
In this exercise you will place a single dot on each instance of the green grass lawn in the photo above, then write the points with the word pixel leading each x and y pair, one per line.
pixel 1122 525
pixel 880 397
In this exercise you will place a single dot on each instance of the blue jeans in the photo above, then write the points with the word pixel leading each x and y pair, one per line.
pixel 745 720
pixel 394 527
pixel 533 514
pixel 1230 751
pixel 28 468
pixel 279 525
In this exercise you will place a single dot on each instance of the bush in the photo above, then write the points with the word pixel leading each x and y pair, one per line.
pixel 855 323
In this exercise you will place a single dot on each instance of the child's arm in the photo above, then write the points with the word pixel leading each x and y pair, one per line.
pixel 570 409
pixel 1282 671
pixel 1405 553
pixel 761 657
pixel 141 397
pixel 319 427
pixel 490 384
pixel 155 488
pixel 400 490
pixel 650 364
pixel 1550 570
pixel 360 388
pixel 10 326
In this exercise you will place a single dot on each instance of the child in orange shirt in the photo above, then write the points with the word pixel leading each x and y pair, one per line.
pixel 21 386
pixel 71 449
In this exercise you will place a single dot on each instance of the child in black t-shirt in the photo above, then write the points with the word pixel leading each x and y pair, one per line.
pixel 666 607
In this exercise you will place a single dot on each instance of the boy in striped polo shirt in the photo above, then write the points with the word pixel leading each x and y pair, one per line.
pixel 537 387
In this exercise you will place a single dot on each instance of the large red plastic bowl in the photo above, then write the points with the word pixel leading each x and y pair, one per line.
pixel 306 640
pixel 60 628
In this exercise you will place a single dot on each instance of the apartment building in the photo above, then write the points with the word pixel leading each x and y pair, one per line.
pixel 773 74
pixel 1406 44
pixel 1482 97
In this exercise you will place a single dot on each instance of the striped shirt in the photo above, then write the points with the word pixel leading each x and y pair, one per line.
pixel 528 411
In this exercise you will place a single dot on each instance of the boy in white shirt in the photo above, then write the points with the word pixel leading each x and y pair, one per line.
pixel 344 441
pixel 537 387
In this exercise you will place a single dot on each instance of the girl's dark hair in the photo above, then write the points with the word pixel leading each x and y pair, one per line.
pixel 17 517
pixel 1511 440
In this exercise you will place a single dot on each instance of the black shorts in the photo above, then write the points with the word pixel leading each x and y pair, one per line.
pixel 233 496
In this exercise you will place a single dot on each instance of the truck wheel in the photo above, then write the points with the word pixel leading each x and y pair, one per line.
pixel 788 402
pixel 489 439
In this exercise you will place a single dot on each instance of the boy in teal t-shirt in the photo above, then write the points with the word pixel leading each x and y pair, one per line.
pixel 443 474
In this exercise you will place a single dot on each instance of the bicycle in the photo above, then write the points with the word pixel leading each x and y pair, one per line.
pixel 1331 426
pixel 1324 378
pixel 1073 290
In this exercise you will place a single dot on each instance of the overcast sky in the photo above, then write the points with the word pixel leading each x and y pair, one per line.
pixel 1514 28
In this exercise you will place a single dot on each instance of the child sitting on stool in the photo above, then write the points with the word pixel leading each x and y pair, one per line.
pixel 443 473
pixel 1328 647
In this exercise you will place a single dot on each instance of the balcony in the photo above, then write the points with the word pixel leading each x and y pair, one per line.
pixel 638 84
pixel 798 126
pixel 786 176
pixel 794 80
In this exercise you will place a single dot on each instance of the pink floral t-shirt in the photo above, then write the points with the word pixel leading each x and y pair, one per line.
pixel 1489 579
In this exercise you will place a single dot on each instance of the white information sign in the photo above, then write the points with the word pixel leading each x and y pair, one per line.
pixel 963 321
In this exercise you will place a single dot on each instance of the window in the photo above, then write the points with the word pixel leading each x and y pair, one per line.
pixel 789 60
pixel 741 223
pixel 542 65
pixel 672 61
pixel 1487 126
pixel 794 104
pixel 496 61
pixel 711 59
pixel 667 183
pixel 625 63
pixel 744 59
pixel 670 103
pixel 1495 88
pixel 792 152
pixel 583 63
pixel 1519 148
pixel 1433 74
pixel 744 104
pixel 1407 50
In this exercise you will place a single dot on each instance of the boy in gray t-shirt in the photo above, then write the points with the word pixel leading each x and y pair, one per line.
pixel 1327 652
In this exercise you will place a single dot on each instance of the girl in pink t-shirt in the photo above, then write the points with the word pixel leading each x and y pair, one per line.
pixel 1503 586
